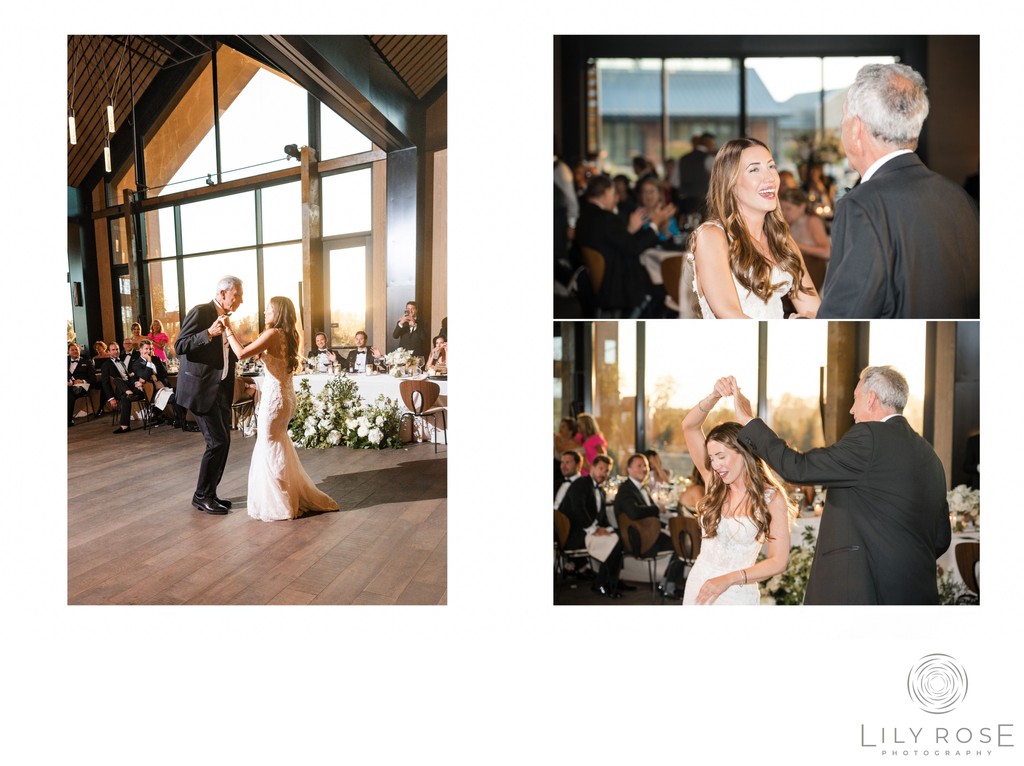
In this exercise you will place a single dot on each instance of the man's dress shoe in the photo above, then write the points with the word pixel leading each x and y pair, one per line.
pixel 225 503
pixel 602 590
pixel 208 505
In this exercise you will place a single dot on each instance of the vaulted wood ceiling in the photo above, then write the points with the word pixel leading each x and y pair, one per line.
pixel 119 69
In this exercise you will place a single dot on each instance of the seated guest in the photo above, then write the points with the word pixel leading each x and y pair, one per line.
pixel 81 375
pixel 626 286
pixel 160 340
pixel 569 467
pixel 362 354
pixel 634 501
pixel 652 203
pixel 808 231
pixel 99 353
pixel 438 359
pixel 659 475
pixel 408 332
pixel 120 388
pixel 444 328
pixel 584 504
pixel 147 367
pixel 128 351
pixel 321 357
pixel 693 493
pixel 136 333
pixel 565 439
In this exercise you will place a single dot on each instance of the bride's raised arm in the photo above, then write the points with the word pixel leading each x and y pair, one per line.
pixel 258 346
pixel 693 432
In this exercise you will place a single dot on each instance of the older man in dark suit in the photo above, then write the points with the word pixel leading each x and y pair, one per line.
pixel 905 241
pixel 886 519
pixel 206 380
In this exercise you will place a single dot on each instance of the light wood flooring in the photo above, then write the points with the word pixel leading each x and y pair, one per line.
pixel 134 538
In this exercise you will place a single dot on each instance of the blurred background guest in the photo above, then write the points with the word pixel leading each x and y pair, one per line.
pixel 438 359
pixel 591 439
pixel 693 174
pixel 808 231
pixel 652 202
pixel 99 353
pixel 160 340
pixel 787 180
pixel 819 187
pixel 693 493
pixel 659 474
pixel 625 200
pixel 565 438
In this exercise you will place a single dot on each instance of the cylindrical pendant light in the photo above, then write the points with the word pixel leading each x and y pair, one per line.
pixel 110 117
pixel 106 157
pixel 71 127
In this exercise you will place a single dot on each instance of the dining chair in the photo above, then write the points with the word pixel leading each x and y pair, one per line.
pixel 419 397
pixel 243 408
pixel 87 395
pixel 638 536
pixel 671 272
pixel 594 261
pixel 686 537
pixel 968 556
pixel 562 553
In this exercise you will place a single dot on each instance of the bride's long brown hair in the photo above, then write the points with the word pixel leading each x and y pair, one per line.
pixel 758 478
pixel 751 269
pixel 285 321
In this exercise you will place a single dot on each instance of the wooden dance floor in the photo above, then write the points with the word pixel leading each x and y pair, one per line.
pixel 134 538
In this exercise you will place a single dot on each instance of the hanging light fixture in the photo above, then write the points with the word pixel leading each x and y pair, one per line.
pixel 72 133
pixel 106 156
pixel 110 117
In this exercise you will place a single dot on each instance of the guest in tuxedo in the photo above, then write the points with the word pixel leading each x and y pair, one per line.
pixel 206 383
pixel 362 355
pixel 120 387
pixel 81 375
pixel 148 367
pixel 905 240
pixel 321 357
pixel 886 519
pixel 569 467
pixel 129 351
pixel 584 504
pixel 626 286
pixel 634 501
pixel 408 332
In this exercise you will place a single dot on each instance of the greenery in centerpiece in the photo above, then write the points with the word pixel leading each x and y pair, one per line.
pixel 338 415
pixel 952 591
pixel 398 360
pixel 788 587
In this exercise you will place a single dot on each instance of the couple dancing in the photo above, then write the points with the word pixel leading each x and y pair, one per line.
pixel 886 520
pixel 278 487
pixel 905 241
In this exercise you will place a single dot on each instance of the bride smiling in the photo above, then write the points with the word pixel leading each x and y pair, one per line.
pixel 743 256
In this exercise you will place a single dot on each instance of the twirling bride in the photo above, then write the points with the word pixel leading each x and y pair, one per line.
pixel 279 487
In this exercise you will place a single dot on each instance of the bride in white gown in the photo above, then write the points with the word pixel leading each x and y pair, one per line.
pixel 744 506
pixel 744 259
pixel 279 487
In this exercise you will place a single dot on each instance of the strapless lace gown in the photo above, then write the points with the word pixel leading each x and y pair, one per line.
pixel 279 488
pixel 750 304
pixel 734 547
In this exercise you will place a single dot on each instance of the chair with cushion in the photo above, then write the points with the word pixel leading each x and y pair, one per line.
pixel 88 396
pixel 419 397
pixel 639 536
pixel 968 556
pixel 562 553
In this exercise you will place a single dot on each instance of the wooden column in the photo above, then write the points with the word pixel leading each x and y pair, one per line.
pixel 840 378
pixel 944 398
pixel 313 310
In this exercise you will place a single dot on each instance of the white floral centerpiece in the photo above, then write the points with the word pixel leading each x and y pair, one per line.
pixel 964 506
pixel 398 360
pixel 338 415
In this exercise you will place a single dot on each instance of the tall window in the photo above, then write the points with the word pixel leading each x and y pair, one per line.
pixel 901 344
pixel 614 387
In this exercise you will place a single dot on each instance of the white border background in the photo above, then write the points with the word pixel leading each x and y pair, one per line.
pixel 499 675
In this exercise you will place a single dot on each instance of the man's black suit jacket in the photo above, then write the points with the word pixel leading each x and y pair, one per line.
pixel 905 244
pixel 581 506
pixel 412 340
pixel 141 370
pixel 626 281
pixel 84 371
pixel 350 360
pixel 630 501
pixel 886 519
pixel 111 382
pixel 200 360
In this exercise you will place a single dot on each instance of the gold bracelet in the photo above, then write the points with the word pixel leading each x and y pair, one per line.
pixel 744 571
pixel 706 412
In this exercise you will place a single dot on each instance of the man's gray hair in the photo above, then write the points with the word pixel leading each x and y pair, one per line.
pixel 226 283
pixel 888 384
pixel 892 102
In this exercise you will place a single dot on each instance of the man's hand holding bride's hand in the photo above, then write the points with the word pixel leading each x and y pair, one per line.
pixel 744 413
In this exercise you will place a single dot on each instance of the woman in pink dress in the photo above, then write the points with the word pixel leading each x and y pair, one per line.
pixel 159 338
pixel 591 439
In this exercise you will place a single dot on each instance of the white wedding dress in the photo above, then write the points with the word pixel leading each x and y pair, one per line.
pixel 279 488
pixel 750 304
pixel 735 546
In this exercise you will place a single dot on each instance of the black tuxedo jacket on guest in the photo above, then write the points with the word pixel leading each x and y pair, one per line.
pixel 581 506
pixel 141 370
pixel 630 501
pixel 84 371
pixel 625 279
pixel 350 360
pixel 200 360
pixel 886 519
pixel 113 385
pixel 412 340
pixel 905 244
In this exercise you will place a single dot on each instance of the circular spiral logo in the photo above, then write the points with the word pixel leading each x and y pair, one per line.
pixel 937 683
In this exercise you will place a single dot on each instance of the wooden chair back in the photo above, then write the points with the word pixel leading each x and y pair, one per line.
pixel 419 395
pixel 561 528
pixel 685 531
pixel 594 262
pixel 639 535
pixel 671 272
pixel 967 558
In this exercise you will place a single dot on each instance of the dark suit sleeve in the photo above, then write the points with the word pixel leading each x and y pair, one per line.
pixel 630 502
pixel 398 331
pixel 105 384
pixel 193 333
pixel 840 465
pixel 856 278
pixel 943 532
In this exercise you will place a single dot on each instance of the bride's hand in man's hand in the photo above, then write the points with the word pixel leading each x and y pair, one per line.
pixel 723 387
pixel 742 404
pixel 712 589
